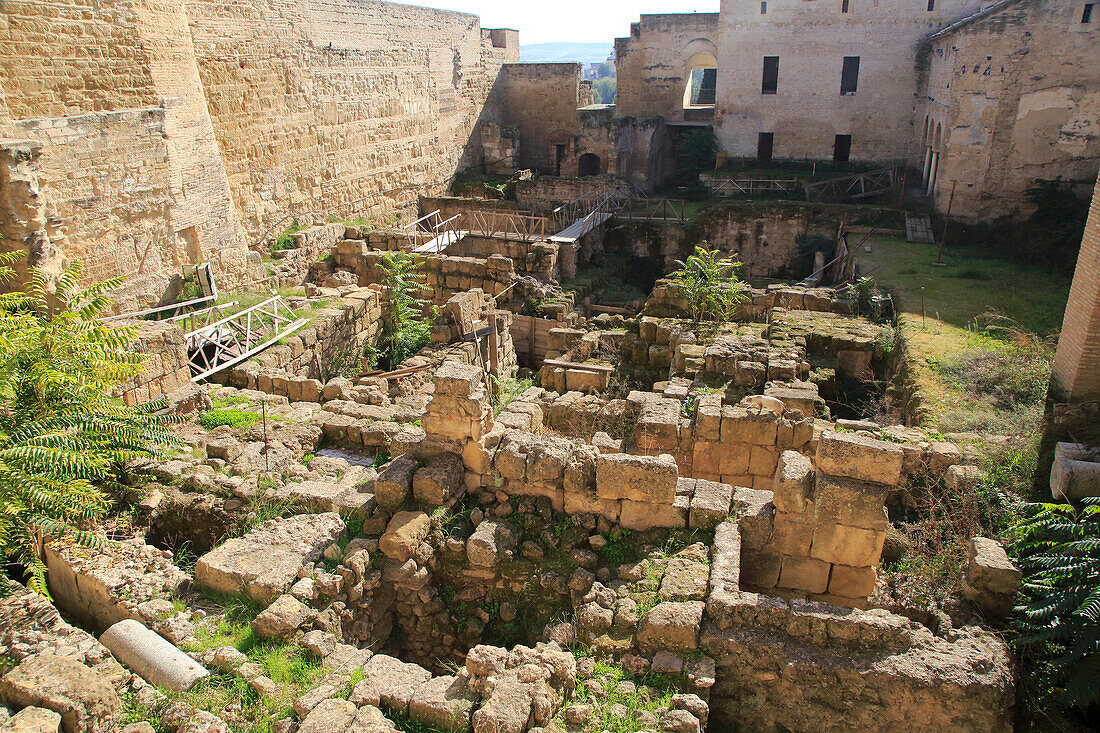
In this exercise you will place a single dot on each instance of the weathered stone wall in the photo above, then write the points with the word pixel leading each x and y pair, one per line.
pixel 653 64
pixel 543 194
pixel 811 40
pixel 541 101
pixel 180 131
pixel 762 235
pixel 166 366
pixel 1007 99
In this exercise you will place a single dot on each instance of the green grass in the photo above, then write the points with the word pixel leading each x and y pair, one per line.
pixel 976 330
pixel 609 674
pixel 970 284
pixel 233 417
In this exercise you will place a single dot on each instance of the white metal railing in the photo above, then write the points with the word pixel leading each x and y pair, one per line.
pixel 230 340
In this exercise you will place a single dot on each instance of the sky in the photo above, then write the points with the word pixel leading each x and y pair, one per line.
pixel 574 21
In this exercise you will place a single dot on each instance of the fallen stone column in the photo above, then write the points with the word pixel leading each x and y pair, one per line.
pixel 150 655
pixel 1075 473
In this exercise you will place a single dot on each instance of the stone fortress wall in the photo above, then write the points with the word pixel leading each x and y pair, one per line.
pixel 180 132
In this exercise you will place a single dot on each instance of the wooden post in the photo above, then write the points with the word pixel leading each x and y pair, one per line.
pixel 587 307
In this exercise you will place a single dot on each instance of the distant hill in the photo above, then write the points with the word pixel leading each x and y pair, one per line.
pixel 583 53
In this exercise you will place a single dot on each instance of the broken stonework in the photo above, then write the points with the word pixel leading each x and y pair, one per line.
pixel 265 562
pixel 85 699
pixel 148 654
pixel 990 579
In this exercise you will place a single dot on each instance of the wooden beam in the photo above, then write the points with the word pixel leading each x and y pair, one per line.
pixel 582 367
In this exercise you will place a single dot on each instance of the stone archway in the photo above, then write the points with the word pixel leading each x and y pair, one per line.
pixel 589 164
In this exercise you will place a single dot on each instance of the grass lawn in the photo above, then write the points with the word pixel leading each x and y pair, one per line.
pixel 957 302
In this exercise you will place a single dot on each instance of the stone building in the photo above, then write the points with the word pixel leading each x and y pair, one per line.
pixel 989 96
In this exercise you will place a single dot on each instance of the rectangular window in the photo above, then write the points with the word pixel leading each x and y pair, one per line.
pixel 931 5
pixel 764 142
pixel 771 75
pixel 842 148
pixel 844 6
pixel 763 8
pixel 704 83
pixel 1086 16
pixel 849 77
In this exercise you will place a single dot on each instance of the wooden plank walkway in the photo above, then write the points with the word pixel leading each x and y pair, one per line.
pixel 580 227
pixel 440 243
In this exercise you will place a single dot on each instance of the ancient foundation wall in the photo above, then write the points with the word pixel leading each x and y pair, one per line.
pixel 166 366
pixel 763 236
pixel 543 194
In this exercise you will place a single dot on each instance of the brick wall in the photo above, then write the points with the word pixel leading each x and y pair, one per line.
pixel 166 366
pixel 1077 361
pixel 541 101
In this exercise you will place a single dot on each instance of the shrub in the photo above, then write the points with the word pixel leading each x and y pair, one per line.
pixel 710 284
pixel 62 438
pixel 1058 551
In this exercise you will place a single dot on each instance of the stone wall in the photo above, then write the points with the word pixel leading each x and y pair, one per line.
pixel 762 235
pixel 166 367
pixel 208 124
pixel 540 101
pixel 1005 100
pixel 543 194
pixel 654 62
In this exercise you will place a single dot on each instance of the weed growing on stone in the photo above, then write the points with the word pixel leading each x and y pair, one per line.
pixel 233 417
pixel 621 702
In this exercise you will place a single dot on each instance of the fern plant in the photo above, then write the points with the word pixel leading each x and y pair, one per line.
pixel 711 285
pixel 406 328
pixel 1058 550
pixel 63 439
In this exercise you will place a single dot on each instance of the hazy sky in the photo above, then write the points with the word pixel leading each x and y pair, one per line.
pixel 576 21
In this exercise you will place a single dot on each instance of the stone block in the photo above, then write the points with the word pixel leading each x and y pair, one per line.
pixel 436 482
pixel 393 486
pixel 282 618
pixel 265 562
pixel 856 456
pixel 844 545
pixel 404 534
pixel 850 582
pixel 639 516
pixel 792 535
pixel 444 703
pixel 989 569
pixel 845 501
pixel 32 720
pixel 760 569
pixel 456 378
pixel 650 479
pixel 154 658
pixel 671 625
pixel 710 504
pixel 396 681
pixel 793 486
pixel 507 710
pixel 762 461
pixel 805 574
pixel 743 425
pixel 85 699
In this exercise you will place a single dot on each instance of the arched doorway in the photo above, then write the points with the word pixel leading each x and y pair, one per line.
pixel 589 165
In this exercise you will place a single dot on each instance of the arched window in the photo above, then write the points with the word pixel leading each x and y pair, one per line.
pixel 702 81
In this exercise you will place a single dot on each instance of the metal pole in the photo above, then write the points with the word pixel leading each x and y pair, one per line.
pixel 946 220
